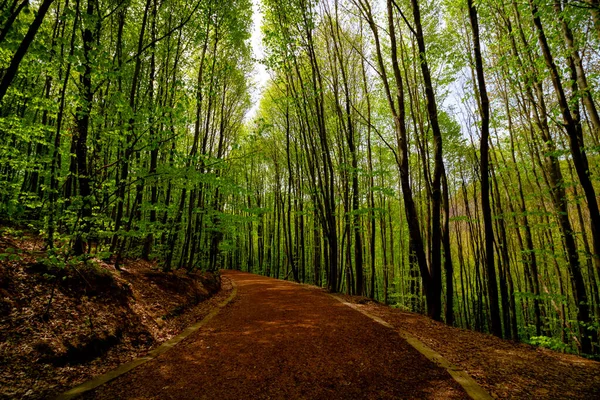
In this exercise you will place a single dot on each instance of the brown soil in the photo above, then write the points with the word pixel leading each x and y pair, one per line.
pixel 286 341
pixel 275 340
pixel 506 369
pixel 98 318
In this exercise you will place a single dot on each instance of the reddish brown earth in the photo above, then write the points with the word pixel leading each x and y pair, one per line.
pixel 280 340
pixel 98 319
pixel 506 369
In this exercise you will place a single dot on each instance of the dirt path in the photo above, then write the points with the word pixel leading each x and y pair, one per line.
pixel 279 340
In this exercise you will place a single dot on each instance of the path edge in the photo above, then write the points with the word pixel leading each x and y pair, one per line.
pixel 473 389
pixel 169 344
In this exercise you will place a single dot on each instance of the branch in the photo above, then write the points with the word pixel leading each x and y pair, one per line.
pixel 404 18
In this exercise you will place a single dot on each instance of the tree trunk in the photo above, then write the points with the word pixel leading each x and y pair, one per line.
pixel 82 121
pixel 492 285
pixel 13 68
pixel 582 168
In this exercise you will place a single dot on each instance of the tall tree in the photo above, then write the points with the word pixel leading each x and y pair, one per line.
pixel 484 107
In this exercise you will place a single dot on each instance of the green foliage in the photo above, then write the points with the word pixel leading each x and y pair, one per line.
pixel 10 254
pixel 178 172
pixel 550 343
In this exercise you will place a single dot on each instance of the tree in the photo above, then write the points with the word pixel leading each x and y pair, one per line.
pixel 484 106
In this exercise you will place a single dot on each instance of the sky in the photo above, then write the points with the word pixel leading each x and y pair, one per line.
pixel 261 75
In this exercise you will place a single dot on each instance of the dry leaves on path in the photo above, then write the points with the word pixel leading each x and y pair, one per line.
pixel 280 340
pixel 506 369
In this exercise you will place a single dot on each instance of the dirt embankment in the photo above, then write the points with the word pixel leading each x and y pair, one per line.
pixel 61 326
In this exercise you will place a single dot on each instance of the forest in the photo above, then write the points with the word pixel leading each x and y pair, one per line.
pixel 440 156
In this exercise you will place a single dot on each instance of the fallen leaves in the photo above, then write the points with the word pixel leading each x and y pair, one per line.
pixel 95 323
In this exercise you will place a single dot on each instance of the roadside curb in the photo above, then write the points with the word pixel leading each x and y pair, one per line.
pixel 473 389
pixel 124 368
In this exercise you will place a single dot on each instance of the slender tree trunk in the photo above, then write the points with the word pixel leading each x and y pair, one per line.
pixel 582 168
pixel 492 285
pixel 14 12
pixel 82 121
pixel 56 156
pixel 435 287
pixel 448 267
pixel 13 68
pixel 149 241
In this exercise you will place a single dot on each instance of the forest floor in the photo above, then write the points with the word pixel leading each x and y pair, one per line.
pixel 281 340
pixel 506 369
pixel 98 317
pixel 275 340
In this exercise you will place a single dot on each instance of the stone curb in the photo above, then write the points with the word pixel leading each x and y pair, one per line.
pixel 123 369
pixel 473 389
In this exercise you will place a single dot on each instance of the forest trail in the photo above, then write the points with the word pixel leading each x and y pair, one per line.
pixel 280 340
